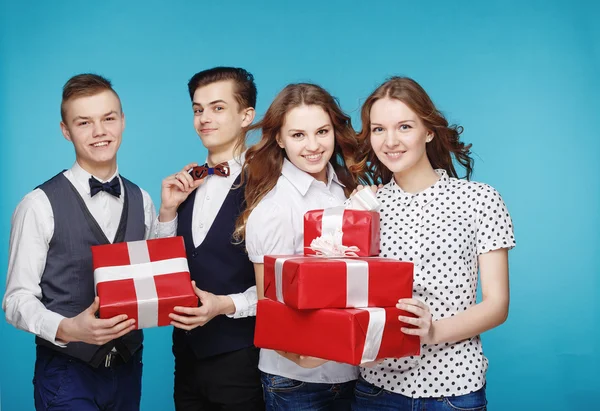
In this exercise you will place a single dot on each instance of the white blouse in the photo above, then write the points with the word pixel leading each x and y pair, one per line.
pixel 276 227
pixel 443 230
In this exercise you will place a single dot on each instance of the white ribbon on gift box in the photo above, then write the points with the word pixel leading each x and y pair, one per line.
pixel 142 271
pixel 374 334
pixel 333 220
pixel 279 276
pixel 357 281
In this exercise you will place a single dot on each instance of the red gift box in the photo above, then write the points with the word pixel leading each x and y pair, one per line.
pixel 352 336
pixel 314 282
pixel 360 229
pixel 143 279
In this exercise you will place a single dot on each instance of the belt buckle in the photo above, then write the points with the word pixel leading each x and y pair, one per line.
pixel 108 360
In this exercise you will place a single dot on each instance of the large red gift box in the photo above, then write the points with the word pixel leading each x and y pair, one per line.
pixel 143 279
pixel 352 336
pixel 360 229
pixel 314 282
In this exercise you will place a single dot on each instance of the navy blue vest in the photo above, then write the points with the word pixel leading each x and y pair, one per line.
pixel 67 282
pixel 221 267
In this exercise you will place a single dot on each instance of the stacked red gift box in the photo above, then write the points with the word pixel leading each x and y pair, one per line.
pixel 336 308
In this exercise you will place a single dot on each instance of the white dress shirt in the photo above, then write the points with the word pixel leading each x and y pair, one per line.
pixel 276 227
pixel 442 230
pixel 210 197
pixel 31 232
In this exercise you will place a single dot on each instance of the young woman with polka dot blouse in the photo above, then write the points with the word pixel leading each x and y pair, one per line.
pixel 450 228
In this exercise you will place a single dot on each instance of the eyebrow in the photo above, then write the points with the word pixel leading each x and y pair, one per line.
pixel 400 122
pixel 211 103
pixel 293 130
pixel 112 112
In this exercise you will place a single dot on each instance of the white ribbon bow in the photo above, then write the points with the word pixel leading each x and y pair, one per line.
pixel 330 245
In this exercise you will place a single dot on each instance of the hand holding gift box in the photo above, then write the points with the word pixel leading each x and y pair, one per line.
pixel 313 282
pixel 143 279
pixel 363 199
pixel 353 336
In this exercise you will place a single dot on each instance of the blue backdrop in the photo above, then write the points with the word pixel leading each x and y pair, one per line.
pixel 521 76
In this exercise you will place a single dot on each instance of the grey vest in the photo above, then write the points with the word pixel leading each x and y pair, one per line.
pixel 68 280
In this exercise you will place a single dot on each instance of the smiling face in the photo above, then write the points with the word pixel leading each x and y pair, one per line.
pixel 218 119
pixel 94 124
pixel 398 136
pixel 308 138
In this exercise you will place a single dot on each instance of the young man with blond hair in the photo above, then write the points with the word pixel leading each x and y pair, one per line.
pixel 82 363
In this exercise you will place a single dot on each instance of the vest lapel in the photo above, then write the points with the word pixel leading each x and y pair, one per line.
pixel 95 227
pixel 228 198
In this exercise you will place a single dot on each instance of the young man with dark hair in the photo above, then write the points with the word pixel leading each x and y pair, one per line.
pixel 216 363
pixel 82 363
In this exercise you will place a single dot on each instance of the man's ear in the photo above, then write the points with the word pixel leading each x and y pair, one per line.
pixel 65 131
pixel 249 114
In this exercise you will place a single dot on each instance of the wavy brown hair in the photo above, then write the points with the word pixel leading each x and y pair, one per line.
pixel 264 160
pixel 445 145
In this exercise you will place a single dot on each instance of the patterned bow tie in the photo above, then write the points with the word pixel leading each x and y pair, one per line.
pixel 199 172
pixel 111 187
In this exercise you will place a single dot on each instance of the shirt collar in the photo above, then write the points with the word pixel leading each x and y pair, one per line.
pixel 424 197
pixel 82 177
pixel 301 180
pixel 332 176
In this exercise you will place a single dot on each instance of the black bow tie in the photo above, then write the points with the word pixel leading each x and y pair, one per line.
pixel 111 187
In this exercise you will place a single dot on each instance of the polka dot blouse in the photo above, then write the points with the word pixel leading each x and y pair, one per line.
pixel 442 230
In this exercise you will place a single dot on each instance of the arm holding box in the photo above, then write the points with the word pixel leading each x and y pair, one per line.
pixel 269 231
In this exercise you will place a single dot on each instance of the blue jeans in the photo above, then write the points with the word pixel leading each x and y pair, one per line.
pixel 286 394
pixel 369 397
pixel 63 383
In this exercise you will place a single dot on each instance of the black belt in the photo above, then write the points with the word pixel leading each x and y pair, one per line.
pixel 112 360
pixel 106 357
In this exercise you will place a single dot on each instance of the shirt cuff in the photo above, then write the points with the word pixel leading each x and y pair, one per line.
pixel 245 304
pixel 166 229
pixel 256 259
pixel 49 327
